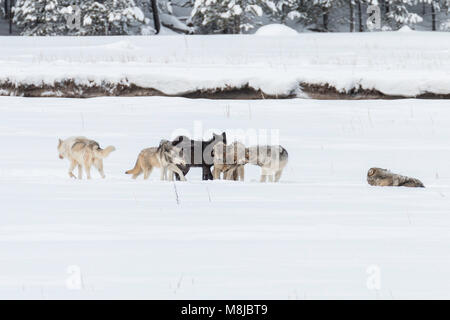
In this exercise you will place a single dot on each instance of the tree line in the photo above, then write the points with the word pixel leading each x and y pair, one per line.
pixel 128 17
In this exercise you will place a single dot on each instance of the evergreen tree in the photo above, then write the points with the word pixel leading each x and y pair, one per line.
pixel 445 25
pixel 435 7
pixel 324 6
pixel 38 17
pixel 398 14
pixel 283 10
pixel 123 17
pixel 227 16
pixel 50 17
pixel 94 19
pixel 2 8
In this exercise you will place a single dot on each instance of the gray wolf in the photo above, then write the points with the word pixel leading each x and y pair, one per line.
pixel 383 178
pixel 83 152
pixel 229 160
pixel 165 156
pixel 271 159
pixel 198 153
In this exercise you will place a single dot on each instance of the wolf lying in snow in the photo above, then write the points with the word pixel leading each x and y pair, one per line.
pixel 165 156
pixel 271 159
pixel 229 160
pixel 198 153
pixel 83 152
pixel 383 178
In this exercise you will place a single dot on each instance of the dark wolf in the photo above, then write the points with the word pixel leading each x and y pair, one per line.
pixel 198 153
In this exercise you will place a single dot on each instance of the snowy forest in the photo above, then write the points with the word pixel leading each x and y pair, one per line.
pixel 137 17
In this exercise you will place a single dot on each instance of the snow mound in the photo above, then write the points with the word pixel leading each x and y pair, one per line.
pixel 405 29
pixel 276 30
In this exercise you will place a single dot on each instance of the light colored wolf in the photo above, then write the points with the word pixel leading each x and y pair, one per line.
pixel 83 152
pixel 165 156
pixel 385 178
pixel 271 159
pixel 229 160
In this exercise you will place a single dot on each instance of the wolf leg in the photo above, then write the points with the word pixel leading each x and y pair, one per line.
pixel 235 176
pixel 138 173
pixel 184 170
pixel 72 166
pixel 162 175
pixel 87 168
pixel 230 174
pixel 176 170
pixel 99 166
pixel 216 173
pixel 207 175
pixel 263 175
pixel 147 172
pixel 170 173
pixel 241 173
pixel 270 175
pixel 80 172
pixel 278 175
pixel 134 176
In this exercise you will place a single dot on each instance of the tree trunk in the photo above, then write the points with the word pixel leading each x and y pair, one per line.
pixel 325 20
pixel 352 18
pixel 156 15
pixel 237 25
pixel 361 27
pixel 433 17
pixel 10 15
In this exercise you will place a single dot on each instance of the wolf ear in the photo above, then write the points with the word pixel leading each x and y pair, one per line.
pixel 59 142
pixel 177 140
pixel 160 144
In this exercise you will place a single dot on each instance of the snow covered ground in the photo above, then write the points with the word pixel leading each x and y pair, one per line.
pixel 320 233
pixel 394 63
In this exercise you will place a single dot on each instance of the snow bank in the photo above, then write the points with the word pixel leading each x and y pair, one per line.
pixel 404 64
pixel 405 29
pixel 275 30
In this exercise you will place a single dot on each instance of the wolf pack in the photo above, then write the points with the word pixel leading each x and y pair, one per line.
pixel 175 158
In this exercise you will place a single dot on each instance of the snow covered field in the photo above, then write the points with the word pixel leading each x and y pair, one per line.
pixel 394 63
pixel 320 233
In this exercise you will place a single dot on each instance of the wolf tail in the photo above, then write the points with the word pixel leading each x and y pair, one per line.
pixel 284 154
pixel 103 153
pixel 412 182
pixel 136 170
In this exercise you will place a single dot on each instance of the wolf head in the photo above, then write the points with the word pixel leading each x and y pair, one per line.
pixel 375 176
pixel 376 172
pixel 220 137
pixel 175 153
pixel 60 149
pixel 177 156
